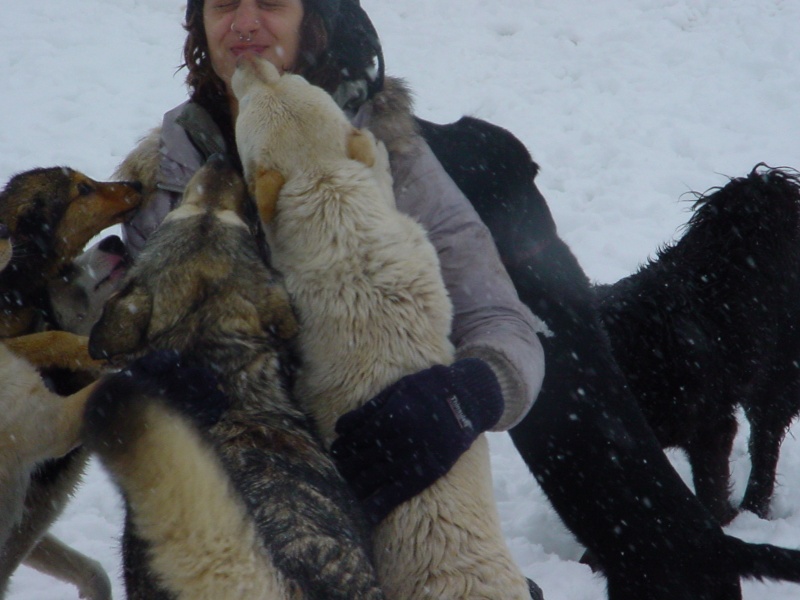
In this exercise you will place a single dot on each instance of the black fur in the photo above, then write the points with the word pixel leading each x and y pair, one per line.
pixel 711 323
pixel 585 440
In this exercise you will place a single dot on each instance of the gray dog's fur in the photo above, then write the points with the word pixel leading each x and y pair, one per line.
pixel 251 507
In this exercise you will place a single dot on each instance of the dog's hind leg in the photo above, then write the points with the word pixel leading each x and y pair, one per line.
pixel 202 543
pixel 708 453
pixel 769 419
pixel 51 485
pixel 54 558
pixel 764 448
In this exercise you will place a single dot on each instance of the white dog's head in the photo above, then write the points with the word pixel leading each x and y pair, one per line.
pixel 287 126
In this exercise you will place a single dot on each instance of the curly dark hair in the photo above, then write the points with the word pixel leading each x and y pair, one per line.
pixel 209 91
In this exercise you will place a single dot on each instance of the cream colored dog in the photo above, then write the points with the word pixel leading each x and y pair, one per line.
pixel 366 283
pixel 36 425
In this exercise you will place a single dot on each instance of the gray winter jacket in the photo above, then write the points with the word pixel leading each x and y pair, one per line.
pixel 489 321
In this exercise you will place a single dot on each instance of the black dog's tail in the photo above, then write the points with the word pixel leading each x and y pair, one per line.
pixel 764 561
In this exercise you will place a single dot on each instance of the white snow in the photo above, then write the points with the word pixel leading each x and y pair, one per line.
pixel 627 105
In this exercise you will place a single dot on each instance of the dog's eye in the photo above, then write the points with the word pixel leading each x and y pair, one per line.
pixel 84 189
pixel 68 273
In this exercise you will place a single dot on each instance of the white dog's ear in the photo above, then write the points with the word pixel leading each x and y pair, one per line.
pixel 361 147
pixel 266 71
pixel 265 189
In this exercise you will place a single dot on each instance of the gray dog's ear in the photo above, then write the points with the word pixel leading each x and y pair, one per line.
pixel 122 328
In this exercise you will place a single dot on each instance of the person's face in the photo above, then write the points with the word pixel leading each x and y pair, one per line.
pixel 267 28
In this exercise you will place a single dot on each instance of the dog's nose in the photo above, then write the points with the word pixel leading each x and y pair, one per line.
pixel 5 232
pixel 112 245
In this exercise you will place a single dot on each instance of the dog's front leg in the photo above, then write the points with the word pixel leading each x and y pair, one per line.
pixel 56 350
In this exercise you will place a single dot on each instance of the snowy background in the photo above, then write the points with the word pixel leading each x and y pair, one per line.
pixel 627 105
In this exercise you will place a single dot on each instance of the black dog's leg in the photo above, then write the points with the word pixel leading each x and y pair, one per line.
pixel 140 582
pixel 709 451
pixel 587 442
pixel 591 450
pixel 764 448
pixel 769 419
pixel 585 439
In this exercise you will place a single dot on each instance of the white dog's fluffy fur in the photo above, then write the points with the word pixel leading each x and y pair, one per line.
pixel 366 283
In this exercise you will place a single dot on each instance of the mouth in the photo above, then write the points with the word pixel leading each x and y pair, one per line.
pixel 242 49
pixel 119 265
pixel 114 276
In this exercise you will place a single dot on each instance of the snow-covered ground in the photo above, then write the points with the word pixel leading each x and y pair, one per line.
pixel 627 105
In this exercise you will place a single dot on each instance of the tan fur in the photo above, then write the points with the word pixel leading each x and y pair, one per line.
pixel 45 426
pixel 171 474
pixel 267 186
pixel 35 425
pixel 361 147
pixel 366 283
pixel 56 350
pixel 50 215
pixel 6 251
pixel 141 164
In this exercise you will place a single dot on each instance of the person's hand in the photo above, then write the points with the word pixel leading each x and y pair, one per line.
pixel 191 389
pixel 413 432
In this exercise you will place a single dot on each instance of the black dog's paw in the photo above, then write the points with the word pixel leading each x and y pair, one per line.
pixel 190 389
pixel 161 376
pixel 113 416
pixel 116 411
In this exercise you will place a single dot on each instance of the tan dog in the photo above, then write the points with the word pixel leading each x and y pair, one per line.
pixel 37 425
pixel 48 215
pixel 366 283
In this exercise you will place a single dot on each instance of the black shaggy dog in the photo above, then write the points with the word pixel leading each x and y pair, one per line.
pixel 586 440
pixel 714 322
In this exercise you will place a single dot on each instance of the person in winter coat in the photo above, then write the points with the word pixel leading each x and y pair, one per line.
pixel 333 44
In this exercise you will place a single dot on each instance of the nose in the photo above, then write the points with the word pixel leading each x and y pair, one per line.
pixel 245 19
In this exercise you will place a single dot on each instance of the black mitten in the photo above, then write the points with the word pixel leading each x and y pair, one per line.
pixel 413 432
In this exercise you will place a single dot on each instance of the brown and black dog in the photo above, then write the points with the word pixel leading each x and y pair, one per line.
pixel 51 213
pixel 48 215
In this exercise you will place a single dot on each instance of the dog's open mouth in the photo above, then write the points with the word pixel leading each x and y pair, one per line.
pixel 115 259
pixel 115 274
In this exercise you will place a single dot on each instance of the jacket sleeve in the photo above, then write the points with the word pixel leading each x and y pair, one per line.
pixel 163 162
pixel 489 320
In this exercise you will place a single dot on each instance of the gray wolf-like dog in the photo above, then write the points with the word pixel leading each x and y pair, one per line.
pixel 250 506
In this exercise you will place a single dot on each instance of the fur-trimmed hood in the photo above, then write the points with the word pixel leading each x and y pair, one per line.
pixel 389 115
